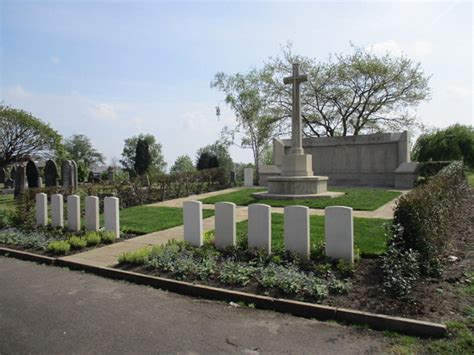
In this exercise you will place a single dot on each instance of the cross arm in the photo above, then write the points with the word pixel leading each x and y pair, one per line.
pixel 295 79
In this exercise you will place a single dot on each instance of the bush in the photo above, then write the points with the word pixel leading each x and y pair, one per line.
pixel 92 238
pixel 137 257
pixel 423 218
pixel 26 239
pixel 401 271
pixel 233 273
pixel 107 237
pixel 59 247
pixel 453 143
pixel 431 168
pixel 77 242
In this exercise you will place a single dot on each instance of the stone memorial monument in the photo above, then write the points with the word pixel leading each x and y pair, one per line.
pixel 32 174
pixel 51 174
pixel 20 178
pixel 2 175
pixel 297 180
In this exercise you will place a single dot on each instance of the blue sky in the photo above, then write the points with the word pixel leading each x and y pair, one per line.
pixel 113 69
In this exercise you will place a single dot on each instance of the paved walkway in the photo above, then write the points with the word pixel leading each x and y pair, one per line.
pixel 108 255
pixel 50 310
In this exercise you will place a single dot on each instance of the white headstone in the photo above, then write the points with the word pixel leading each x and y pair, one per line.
pixel 192 213
pixel 248 177
pixel 260 227
pixel 112 217
pixel 92 213
pixel 74 213
pixel 339 232
pixel 40 182
pixel 57 211
pixel 225 224
pixel 297 230
pixel 41 209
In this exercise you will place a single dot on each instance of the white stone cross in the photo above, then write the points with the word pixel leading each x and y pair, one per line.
pixel 296 80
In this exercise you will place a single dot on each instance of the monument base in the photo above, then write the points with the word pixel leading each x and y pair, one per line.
pixel 296 187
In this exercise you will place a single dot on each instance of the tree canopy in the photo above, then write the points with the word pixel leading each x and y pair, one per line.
pixel 182 164
pixel 453 143
pixel 23 137
pixel 79 148
pixel 157 164
pixel 142 157
pixel 348 94
pixel 246 97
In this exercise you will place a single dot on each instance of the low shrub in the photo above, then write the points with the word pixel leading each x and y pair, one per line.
pixel 77 242
pixel 401 271
pixel 59 247
pixel 92 238
pixel 137 257
pixel 431 168
pixel 25 239
pixel 423 219
pixel 107 237
pixel 232 273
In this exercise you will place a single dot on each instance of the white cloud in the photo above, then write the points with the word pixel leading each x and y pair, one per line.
pixel 16 92
pixel 103 112
pixel 416 49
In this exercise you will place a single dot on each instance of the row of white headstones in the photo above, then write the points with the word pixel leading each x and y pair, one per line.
pixel 339 228
pixel 92 221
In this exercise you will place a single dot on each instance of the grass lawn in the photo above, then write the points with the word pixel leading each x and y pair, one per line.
pixel 369 233
pixel 359 198
pixel 7 202
pixel 145 219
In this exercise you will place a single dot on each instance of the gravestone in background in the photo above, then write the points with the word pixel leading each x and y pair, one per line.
pixel 145 180
pixel 2 175
pixel 66 175
pixel 110 174
pixel 32 174
pixel 75 176
pixel 13 173
pixel 20 178
pixel 51 174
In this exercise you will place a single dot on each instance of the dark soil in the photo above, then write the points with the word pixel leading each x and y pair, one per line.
pixel 438 300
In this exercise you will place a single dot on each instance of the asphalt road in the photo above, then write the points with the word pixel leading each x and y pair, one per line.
pixel 46 309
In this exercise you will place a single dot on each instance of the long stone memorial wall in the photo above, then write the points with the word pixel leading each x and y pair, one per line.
pixel 381 159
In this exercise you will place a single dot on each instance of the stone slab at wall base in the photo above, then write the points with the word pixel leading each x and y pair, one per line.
pixel 268 196
pixel 297 185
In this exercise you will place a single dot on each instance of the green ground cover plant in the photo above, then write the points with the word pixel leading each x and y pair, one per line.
pixel 359 198
pixel 282 272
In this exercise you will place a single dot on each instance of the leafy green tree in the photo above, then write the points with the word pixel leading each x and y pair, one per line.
pixel 453 143
pixel 182 164
pixel 246 97
pixel 221 152
pixel 207 160
pixel 157 164
pixel 348 94
pixel 23 136
pixel 79 148
pixel 142 157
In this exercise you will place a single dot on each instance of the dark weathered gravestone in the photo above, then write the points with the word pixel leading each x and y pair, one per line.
pixel 32 174
pixel 110 174
pixel 9 183
pixel 145 180
pixel 74 176
pixel 20 178
pixel 66 175
pixel 51 174
pixel 2 175
pixel 13 173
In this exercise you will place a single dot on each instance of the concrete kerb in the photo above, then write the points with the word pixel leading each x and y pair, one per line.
pixel 307 310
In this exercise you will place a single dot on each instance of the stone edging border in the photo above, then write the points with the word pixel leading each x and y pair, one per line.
pixel 307 310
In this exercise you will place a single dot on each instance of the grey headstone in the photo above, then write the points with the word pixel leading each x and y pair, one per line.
pixel 2 175
pixel 110 174
pixel 32 174
pixel 51 174
pixel 145 180
pixel 74 176
pixel 20 178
